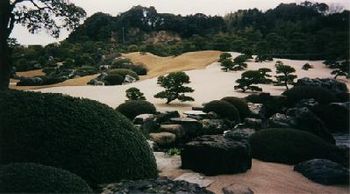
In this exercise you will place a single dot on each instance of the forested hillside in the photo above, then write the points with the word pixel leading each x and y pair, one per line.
pixel 295 31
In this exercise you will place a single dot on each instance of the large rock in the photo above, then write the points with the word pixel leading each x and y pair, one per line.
pixel 214 126
pixel 280 120
pixel 166 116
pixel 149 186
pixel 196 114
pixel 240 134
pixel 257 110
pixel 331 84
pixel 323 171
pixel 163 139
pixel 237 189
pixel 215 154
pixel 140 119
pixel 253 123
pixel 192 127
pixel 173 128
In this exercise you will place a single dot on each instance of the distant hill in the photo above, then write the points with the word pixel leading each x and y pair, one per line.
pixel 301 31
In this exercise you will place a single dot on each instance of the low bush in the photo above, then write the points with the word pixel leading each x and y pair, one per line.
pixel 123 73
pixel 86 70
pixel 240 104
pixel 224 109
pixel 40 80
pixel 321 95
pixel 291 146
pixel 35 178
pixel 113 79
pixel 82 136
pixel 132 108
pixel 139 69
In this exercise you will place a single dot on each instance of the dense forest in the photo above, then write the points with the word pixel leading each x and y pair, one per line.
pixel 296 31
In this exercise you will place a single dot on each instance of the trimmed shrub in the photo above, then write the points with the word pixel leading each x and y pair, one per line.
pixel 86 70
pixel 291 146
pixel 223 108
pixel 132 108
pixel 272 104
pixel 139 69
pixel 123 73
pixel 83 136
pixel 114 79
pixel 321 95
pixel 36 178
pixel 240 104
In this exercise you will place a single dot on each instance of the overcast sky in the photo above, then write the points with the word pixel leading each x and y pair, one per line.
pixel 183 7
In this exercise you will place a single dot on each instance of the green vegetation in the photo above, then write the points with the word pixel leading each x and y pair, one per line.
pixel 286 77
pixel 123 73
pixel 290 146
pixel 307 66
pixel 321 95
pixel 224 109
pixel 113 79
pixel 35 178
pixel 173 152
pixel 240 104
pixel 250 78
pixel 134 94
pixel 174 87
pixel 82 136
pixel 132 108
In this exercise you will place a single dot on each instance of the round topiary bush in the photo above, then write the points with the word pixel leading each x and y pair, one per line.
pixel 132 108
pixel 123 73
pixel 83 136
pixel 240 104
pixel 113 79
pixel 223 109
pixel 298 93
pixel 291 146
pixel 36 178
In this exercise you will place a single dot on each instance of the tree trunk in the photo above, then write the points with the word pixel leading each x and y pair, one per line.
pixel 5 53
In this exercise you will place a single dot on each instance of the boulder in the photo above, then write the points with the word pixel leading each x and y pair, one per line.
pixel 214 126
pixel 163 139
pixel 196 114
pixel 96 82
pixel 140 119
pixel 280 120
pixel 253 123
pixel 150 126
pixel 237 189
pixel 160 185
pixel 308 103
pixel 239 134
pixel 257 110
pixel 174 129
pixel 215 154
pixel 192 127
pixel 331 84
pixel 129 79
pixel 166 116
pixel 323 171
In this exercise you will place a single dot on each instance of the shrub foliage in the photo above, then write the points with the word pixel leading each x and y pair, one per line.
pixel 36 178
pixel 240 104
pixel 83 136
pixel 132 108
pixel 223 108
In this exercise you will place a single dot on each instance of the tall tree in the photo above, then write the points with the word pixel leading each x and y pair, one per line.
pixel 51 15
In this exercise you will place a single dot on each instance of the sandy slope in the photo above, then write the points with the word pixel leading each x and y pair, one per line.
pixel 162 65
pixel 156 65
pixel 209 84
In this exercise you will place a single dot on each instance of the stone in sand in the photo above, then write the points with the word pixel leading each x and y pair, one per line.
pixel 214 154
pixel 163 138
pixel 237 189
pixel 323 171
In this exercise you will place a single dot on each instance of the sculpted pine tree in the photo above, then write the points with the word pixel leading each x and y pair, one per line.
pixel 51 15
pixel 174 87
pixel 284 74
pixel 250 78
pixel 134 94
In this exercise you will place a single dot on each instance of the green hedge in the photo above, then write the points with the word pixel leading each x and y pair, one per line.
pixel 83 136
pixel 291 146
pixel 321 95
pixel 113 79
pixel 240 104
pixel 132 108
pixel 35 178
pixel 223 109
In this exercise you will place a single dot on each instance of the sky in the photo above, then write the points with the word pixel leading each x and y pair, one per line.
pixel 183 7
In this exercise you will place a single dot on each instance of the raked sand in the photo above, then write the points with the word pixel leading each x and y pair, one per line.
pixel 210 83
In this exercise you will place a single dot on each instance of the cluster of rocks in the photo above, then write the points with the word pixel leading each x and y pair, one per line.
pixel 160 185
pixel 100 80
